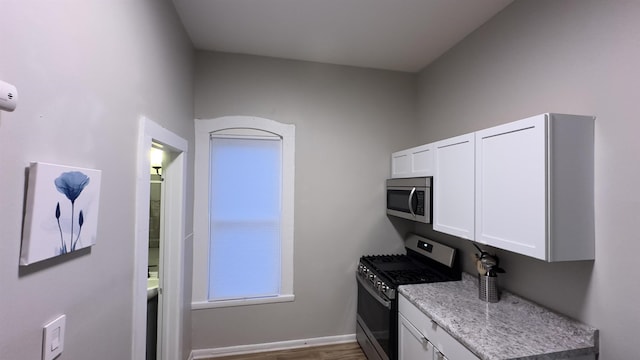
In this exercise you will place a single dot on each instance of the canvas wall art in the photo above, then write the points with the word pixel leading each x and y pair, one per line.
pixel 61 211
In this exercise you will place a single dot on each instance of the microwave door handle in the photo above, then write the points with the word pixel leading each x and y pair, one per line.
pixel 411 202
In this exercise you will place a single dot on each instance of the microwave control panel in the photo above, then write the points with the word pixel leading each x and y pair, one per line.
pixel 420 205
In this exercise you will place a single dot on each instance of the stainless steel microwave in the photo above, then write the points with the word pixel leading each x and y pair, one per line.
pixel 410 198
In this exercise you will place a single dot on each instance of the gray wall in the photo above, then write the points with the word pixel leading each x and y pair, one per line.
pixel 85 72
pixel 348 121
pixel 578 57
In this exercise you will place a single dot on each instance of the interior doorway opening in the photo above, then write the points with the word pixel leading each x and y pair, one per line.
pixel 155 254
pixel 171 236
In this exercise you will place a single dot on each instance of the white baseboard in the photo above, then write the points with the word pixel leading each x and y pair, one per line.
pixel 274 346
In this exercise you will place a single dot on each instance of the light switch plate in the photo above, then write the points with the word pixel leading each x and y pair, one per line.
pixel 53 339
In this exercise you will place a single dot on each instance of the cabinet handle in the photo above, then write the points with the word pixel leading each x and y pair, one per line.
pixel 425 342
pixel 439 355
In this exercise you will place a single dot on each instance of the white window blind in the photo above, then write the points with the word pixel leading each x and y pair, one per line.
pixel 245 217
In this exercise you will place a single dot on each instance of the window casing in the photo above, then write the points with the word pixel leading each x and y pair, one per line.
pixel 243 254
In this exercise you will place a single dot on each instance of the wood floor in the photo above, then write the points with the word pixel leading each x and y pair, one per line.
pixel 348 351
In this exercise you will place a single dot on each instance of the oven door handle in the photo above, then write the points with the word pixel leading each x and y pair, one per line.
pixel 386 303
pixel 413 191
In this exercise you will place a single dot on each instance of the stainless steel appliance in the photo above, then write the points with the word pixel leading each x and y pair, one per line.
pixel 410 198
pixel 378 279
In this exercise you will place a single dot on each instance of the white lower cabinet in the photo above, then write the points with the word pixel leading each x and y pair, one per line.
pixel 420 338
pixel 412 344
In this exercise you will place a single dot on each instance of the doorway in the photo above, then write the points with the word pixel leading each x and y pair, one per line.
pixel 171 246
pixel 155 255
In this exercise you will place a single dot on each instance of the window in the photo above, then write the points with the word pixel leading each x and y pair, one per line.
pixel 243 212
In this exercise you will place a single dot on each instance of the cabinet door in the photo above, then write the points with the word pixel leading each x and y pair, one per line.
pixel 511 186
pixel 422 160
pixel 414 162
pixel 453 186
pixel 401 164
pixel 412 345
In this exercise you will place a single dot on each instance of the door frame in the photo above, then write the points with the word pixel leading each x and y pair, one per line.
pixel 172 277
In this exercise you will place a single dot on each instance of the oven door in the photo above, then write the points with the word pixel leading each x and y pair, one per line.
pixel 376 322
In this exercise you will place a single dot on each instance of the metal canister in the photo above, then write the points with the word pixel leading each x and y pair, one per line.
pixel 488 288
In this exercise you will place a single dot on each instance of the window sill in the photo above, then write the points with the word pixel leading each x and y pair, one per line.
pixel 199 305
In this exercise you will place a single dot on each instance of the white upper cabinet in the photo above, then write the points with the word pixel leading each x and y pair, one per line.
pixel 534 187
pixel 453 186
pixel 414 162
pixel 525 186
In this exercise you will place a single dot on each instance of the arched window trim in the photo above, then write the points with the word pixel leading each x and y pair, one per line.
pixel 252 126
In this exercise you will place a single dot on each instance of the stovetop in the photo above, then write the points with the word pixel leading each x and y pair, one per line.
pixel 402 269
pixel 426 261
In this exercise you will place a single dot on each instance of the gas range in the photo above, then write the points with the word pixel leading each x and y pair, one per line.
pixel 379 276
pixel 426 261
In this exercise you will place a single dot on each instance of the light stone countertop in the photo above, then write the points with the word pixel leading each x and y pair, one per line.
pixel 513 328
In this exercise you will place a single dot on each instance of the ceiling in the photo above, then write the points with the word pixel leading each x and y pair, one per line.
pixel 402 35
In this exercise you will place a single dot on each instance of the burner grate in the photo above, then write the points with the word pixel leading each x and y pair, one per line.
pixel 403 277
pixel 403 269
